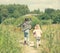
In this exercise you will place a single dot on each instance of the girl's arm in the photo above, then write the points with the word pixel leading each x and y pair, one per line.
pixel 34 33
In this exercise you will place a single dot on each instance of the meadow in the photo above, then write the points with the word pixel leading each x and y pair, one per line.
pixel 11 35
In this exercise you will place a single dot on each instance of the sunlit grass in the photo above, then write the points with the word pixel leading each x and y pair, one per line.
pixel 11 35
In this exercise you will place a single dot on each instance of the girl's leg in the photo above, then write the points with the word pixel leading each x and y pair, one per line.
pixel 37 42
pixel 25 38
pixel 28 37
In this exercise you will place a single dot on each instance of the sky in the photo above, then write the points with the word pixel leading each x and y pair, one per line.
pixel 35 4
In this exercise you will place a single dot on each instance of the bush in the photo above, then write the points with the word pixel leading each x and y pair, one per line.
pixel 9 21
pixel 35 21
pixel 45 22
pixel 20 20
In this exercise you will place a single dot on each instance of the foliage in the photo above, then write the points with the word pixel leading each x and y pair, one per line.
pixel 51 38
pixel 44 16
pixel 17 10
pixel 56 16
pixel 52 14
pixel 9 21
pixel 8 40
pixel 49 10
pixel 46 22
pixel 14 10
pixel 19 21
pixel 35 11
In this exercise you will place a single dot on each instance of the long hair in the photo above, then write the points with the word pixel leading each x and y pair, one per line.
pixel 37 26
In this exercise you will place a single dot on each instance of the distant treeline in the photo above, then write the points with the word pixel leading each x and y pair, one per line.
pixel 17 10
pixel 8 11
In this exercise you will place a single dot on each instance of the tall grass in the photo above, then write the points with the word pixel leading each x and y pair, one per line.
pixel 51 39
pixel 8 40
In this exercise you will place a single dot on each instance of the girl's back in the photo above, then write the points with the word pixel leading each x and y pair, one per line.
pixel 37 31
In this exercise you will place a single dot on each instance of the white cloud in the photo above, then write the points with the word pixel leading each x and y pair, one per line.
pixel 35 4
pixel 42 4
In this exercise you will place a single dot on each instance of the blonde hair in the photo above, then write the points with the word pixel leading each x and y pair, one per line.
pixel 37 26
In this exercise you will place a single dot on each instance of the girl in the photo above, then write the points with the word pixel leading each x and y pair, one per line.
pixel 37 34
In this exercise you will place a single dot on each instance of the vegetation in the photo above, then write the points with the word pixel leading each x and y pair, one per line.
pixel 50 39
pixel 8 40
pixel 10 35
pixel 17 10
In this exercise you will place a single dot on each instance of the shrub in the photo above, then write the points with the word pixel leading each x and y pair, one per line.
pixel 9 21
pixel 45 22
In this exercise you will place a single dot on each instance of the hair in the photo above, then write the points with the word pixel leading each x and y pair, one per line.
pixel 37 26
pixel 26 19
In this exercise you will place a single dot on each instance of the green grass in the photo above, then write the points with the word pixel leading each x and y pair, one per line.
pixel 9 42
pixel 11 35
pixel 51 38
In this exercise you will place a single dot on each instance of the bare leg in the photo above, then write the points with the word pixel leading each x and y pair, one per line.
pixel 25 39
pixel 37 43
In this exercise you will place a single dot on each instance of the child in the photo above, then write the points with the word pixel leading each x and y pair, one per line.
pixel 26 26
pixel 37 34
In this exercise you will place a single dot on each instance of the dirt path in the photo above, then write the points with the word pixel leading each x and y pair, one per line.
pixel 28 49
pixel 32 49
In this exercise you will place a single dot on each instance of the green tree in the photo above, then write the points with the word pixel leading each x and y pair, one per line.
pixel 36 11
pixel 49 10
pixel 3 14
pixel 56 16
pixel 44 16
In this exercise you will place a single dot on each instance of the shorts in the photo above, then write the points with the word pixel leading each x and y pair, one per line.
pixel 26 33
pixel 38 38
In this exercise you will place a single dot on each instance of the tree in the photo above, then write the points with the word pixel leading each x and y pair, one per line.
pixel 49 10
pixel 44 16
pixel 36 11
pixel 3 14
pixel 56 16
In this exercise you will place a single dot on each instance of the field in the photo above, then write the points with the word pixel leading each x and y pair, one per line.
pixel 10 37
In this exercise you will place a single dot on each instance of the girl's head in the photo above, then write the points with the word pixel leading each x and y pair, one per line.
pixel 37 26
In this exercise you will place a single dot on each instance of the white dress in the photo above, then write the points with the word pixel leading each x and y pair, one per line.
pixel 37 32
